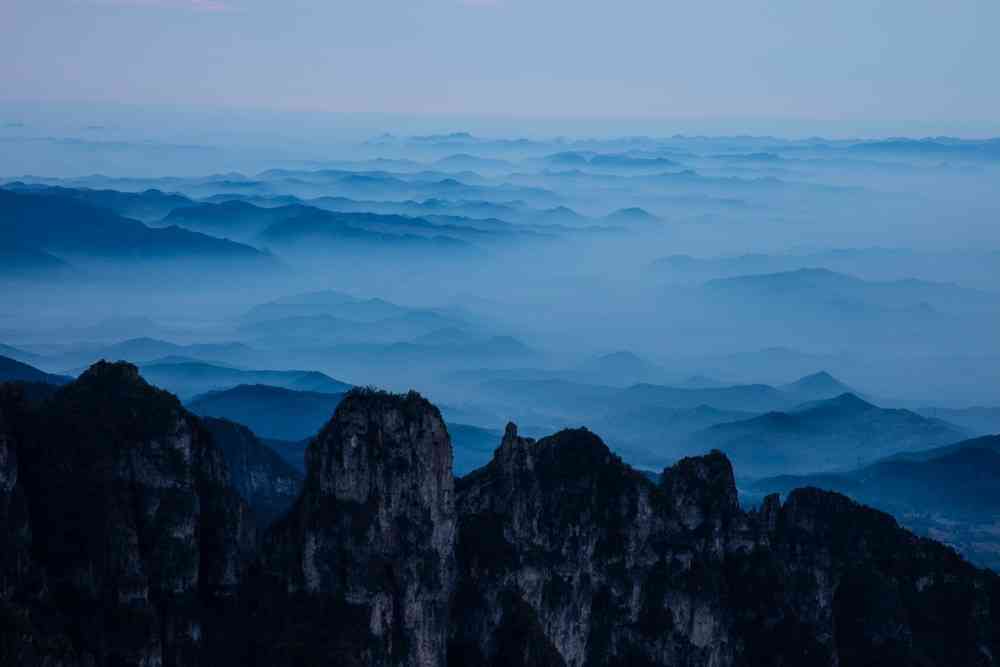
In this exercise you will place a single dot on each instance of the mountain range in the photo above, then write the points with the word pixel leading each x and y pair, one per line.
pixel 554 553
pixel 12 370
pixel 949 493
pixel 79 233
pixel 190 378
pixel 826 434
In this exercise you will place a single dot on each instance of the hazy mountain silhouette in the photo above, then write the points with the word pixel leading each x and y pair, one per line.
pixel 268 483
pixel 12 370
pixel 148 206
pixel 270 412
pixel 817 386
pixel 630 216
pixel 979 420
pixel 145 349
pixel 824 435
pixel 750 398
pixel 619 368
pixel 190 379
pixel 22 263
pixel 818 286
pixel 66 226
pixel 951 492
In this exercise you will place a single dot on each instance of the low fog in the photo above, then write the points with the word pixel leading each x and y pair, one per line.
pixel 663 290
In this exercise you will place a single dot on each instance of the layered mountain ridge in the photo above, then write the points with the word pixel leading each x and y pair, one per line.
pixel 125 543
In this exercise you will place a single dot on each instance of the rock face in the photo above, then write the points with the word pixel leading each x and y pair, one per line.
pixel 258 474
pixel 133 526
pixel 124 543
pixel 561 543
pixel 371 540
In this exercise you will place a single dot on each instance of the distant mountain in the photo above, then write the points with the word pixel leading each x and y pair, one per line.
pixel 326 302
pixel 991 442
pixel 148 349
pixel 701 382
pixel 72 229
pixel 12 370
pixel 979 420
pixel 951 492
pixel 819 287
pixel 817 386
pixel 292 452
pixel 651 434
pixel 933 149
pixel 20 262
pixel 332 219
pixel 330 318
pixel 620 368
pixel 631 162
pixel 270 412
pixel 351 230
pixel 631 216
pixel 148 206
pixel 190 379
pixel 145 350
pixel 268 483
pixel 473 446
pixel 450 335
pixel 232 219
pixel 651 423
pixel 824 435
pixel 611 161
pixel 16 353
pixel 749 397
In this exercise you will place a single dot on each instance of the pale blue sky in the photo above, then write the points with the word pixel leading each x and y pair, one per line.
pixel 849 60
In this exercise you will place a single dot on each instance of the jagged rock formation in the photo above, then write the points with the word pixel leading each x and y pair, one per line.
pixel 561 542
pixel 133 526
pixel 258 474
pixel 366 557
pixel 124 544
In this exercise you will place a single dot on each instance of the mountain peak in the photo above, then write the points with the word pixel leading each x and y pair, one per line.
pixel 114 398
pixel 845 402
pixel 109 374
pixel 701 487
pixel 818 383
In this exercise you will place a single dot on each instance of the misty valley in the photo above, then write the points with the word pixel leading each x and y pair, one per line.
pixel 478 399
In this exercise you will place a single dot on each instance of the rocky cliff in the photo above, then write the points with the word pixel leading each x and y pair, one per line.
pixel 124 526
pixel 561 542
pixel 366 558
pixel 124 544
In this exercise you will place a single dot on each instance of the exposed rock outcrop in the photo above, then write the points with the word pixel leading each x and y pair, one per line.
pixel 559 541
pixel 561 538
pixel 371 540
pixel 134 527
pixel 125 543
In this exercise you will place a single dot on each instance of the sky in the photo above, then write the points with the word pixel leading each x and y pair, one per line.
pixel 919 65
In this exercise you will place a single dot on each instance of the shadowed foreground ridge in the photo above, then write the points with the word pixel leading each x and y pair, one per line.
pixel 121 527
pixel 123 543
